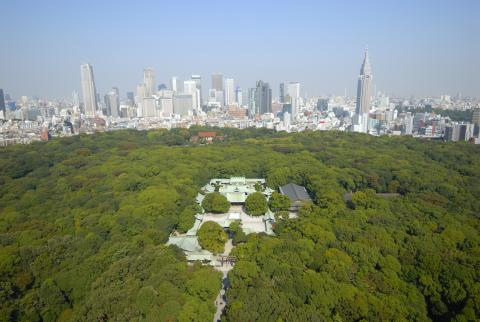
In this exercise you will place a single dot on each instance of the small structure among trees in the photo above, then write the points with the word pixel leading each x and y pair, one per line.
pixel 298 195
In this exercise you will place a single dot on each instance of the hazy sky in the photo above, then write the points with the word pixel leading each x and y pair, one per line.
pixel 421 47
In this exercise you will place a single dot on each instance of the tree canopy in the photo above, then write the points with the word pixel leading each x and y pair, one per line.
pixel 216 203
pixel 84 221
pixel 256 204
pixel 235 229
pixel 279 202
pixel 212 237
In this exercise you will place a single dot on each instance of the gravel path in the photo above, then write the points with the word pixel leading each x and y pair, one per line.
pixel 221 300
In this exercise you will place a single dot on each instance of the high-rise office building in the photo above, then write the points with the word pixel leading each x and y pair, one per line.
pixel 290 94
pixel 263 98
pixel 3 109
pixel 165 103
pixel 112 103
pixel 75 98
pixel 182 104
pixel 245 97
pixel 293 94
pixel 149 80
pixel 149 107
pixel 364 95
pixel 293 89
pixel 238 96
pixel 130 98
pixel 141 93
pixel 282 93
pixel 229 92
pixel 198 82
pixel 174 83
pixel 217 82
pixel 252 108
pixel 88 89
pixel 190 87
pixel 409 124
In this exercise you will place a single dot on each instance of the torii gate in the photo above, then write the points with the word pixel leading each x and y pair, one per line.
pixel 226 259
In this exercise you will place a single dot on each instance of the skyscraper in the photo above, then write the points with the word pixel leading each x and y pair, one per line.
pixel 141 93
pixel 112 102
pixel 130 98
pixel 182 104
pixel 75 99
pixel 293 89
pixel 3 109
pixel 217 82
pixel 263 98
pixel 198 82
pixel 190 87
pixel 282 93
pixel 174 83
pixel 88 89
pixel 293 94
pixel 149 80
pixel 229 92
pixel 238 96
pixel 364 95
pixel 251 97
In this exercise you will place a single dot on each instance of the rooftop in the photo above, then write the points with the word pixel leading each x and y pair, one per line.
pixel 295 192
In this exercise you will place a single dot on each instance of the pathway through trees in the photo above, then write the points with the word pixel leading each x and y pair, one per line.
pixel 226 265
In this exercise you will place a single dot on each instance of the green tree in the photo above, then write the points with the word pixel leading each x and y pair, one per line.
pixel 236 230
pixel 53 300
pixel 216 203
pixel 279 202
pixel 187 218
pixel 212 237
pixel 256 204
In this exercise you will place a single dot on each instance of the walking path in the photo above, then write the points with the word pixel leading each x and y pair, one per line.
pixel 221 300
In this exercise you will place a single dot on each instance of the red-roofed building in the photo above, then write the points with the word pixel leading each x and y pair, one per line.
pixel 206 136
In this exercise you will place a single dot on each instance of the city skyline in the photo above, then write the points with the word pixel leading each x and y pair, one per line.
pixel 418 48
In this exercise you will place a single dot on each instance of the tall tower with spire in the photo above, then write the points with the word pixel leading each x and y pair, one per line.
pixel 89 90
pixel 364 95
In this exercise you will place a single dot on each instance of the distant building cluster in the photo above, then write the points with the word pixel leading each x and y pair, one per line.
pixel 183 103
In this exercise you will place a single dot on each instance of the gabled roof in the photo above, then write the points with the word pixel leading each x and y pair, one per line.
pixel 205 134
pixel 187 243
pixel 295 192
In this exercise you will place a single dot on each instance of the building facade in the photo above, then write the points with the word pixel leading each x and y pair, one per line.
pixel 217 82
pixel 229 92
pixel 89 90
pixel 364 95
pixel 3 109
pixel 149 80
pixel 263 98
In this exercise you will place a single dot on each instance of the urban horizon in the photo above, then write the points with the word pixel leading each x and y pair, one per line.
pixel 348 92
pixel 192 101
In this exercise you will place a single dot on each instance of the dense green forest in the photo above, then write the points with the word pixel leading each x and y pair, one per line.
pixel 84 221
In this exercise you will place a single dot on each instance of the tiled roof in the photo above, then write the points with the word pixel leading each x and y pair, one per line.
pixel 295 192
